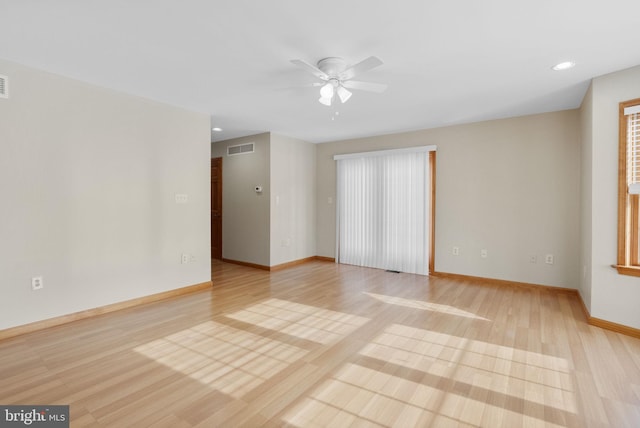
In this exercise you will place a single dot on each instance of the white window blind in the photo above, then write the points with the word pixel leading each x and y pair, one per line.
pixel 633 149
pixel 383 210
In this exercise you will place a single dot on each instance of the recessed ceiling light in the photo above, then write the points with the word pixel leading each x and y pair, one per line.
pixel 564 66
pixel 216 129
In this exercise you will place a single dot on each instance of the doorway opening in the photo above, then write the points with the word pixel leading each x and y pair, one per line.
pixel 216 208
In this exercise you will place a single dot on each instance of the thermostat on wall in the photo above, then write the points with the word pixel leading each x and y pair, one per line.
pixel 258 189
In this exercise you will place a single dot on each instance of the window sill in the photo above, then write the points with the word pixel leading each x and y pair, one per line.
pixel 628 270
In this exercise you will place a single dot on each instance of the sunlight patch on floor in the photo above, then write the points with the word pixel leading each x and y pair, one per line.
pixel 414 377
pixel 429 338
pixel 355 394
pixel 230 360
pixel 361 395
pixel 303 321
pixel 535 375
pixel 425 306
pixel 235 361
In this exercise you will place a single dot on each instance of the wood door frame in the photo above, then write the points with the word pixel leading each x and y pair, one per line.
pixel 432 214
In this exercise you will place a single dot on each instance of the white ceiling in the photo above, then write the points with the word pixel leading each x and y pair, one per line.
pixel 445 61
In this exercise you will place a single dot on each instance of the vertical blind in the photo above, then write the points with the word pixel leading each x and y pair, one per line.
pixel 633 148
pixel 383 210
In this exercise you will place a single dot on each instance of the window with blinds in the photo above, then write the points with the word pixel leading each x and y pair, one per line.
pixel 632 117
pixel 629 189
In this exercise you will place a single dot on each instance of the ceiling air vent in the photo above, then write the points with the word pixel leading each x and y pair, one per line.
pixel 4 87
pixel 241 149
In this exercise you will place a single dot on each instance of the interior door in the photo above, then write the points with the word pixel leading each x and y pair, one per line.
pixel 216 208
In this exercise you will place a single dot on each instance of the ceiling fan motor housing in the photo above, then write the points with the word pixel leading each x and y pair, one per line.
pixel 332 66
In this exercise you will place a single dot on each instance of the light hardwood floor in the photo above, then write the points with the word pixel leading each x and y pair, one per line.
pixel 332 345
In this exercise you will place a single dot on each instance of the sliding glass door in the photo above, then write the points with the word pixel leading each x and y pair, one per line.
pixel 383 209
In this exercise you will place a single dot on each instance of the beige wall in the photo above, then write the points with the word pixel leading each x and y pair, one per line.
pixel 293 209
pixel 509 186
pixel 614 297
pixel 245 213
pixel 88 179
pixel 278 225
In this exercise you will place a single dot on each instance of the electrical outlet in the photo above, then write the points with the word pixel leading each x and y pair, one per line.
pixel 533 259
pixel 456 251
pixel 483 253
pixel 548 259
pixel 37 283
pixel 185 258
pixel 182 198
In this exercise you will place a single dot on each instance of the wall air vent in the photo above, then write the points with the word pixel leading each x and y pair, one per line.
pixel 241 149
pixel 4 87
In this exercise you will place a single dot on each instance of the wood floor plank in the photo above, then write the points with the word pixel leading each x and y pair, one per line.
pixel 323 344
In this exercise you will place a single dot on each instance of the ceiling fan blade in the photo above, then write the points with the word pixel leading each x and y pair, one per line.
pixel 311 69
pixel 360 67
pixel 365 86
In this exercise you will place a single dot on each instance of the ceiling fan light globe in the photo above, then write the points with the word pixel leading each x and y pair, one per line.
pixel 327 91
pixel 325 101
pixel 344 94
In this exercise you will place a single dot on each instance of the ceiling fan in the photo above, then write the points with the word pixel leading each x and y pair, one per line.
pixel 336 77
